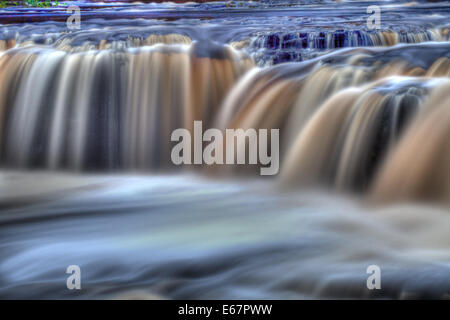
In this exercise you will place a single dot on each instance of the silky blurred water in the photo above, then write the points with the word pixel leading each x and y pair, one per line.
pixel 271 32
pixel 190 237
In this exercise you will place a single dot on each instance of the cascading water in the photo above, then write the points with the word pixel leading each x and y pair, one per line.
pixel 109 109
pixel 86 118
pixel 357 127
pixel 426 141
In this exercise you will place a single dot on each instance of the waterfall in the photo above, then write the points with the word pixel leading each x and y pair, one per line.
pixel 356 127
pixel 273 48
pixel 288 149
pixel 108 109
pixel 419 167
pixel 342 116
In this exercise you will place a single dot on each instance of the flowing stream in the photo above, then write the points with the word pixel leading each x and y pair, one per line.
pixel 86 176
